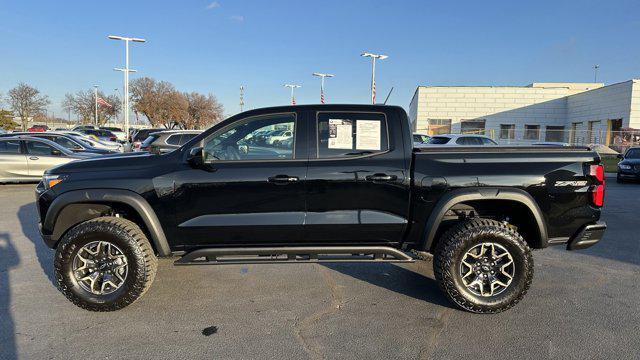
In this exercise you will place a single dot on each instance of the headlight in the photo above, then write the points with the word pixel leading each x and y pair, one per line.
pixel 50 181
pixel 624 167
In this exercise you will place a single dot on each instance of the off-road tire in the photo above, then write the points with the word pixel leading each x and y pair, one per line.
pixel 462 237
pixel 127 236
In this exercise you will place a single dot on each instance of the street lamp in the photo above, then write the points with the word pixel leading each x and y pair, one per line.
pixel 373 72
pixel 293 87
pixel 126 72
pixel 95 100
pixel 595 74
pixel 322 76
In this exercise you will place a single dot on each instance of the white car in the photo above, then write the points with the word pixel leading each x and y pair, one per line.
pixel 460 140
pixel 120 135
pixel 100 144
pixel 279 136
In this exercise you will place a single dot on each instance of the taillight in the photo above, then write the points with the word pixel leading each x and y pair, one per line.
pixel 597 190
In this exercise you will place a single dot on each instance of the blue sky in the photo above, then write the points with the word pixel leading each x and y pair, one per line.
pixel 215 46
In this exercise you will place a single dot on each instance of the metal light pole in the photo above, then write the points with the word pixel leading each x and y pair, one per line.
pixel 322 76
pixel 373 57
pixel 595 73
pixel 293 87
pixel 95 100
pixel 125 98
pixel 126 71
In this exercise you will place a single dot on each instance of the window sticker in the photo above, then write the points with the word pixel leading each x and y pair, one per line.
pixel 368 135
pixel 340 136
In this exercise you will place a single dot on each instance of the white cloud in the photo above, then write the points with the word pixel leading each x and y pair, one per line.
pixel 238 18
pixel 213 5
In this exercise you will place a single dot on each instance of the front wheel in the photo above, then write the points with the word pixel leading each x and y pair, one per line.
pixel 104 264
pixel 483 266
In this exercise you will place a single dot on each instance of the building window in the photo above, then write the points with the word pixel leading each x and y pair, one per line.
pixel 472 126
pixel 532 132
pixel 554 134
pixel 439 126
pixel 507 131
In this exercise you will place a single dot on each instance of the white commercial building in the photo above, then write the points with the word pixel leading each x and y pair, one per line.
pixel 578 113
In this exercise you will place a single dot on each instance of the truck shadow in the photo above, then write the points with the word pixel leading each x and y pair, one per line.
pixel 28 217
pixel 396 278
pixel 8 259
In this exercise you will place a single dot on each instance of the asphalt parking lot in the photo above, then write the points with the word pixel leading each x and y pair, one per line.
pixel 582 305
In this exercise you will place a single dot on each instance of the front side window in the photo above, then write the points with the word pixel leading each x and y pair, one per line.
pixel 466 140
pixel 351 134
pixel 10 147
pixel 267 137
pixel 66 143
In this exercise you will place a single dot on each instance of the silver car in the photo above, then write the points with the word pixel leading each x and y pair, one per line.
pixel 24 159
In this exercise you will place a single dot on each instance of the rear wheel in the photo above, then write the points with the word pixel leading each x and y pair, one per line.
pixel 483 266
pixel 104 264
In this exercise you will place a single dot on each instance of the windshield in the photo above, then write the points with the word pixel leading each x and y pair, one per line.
pixel 633 154
pixel 438 140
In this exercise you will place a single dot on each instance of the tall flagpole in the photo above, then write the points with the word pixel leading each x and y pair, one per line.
pixel 322 76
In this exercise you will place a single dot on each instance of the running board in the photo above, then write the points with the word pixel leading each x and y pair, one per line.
pixel 299 254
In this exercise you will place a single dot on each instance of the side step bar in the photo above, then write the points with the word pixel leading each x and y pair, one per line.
pixel 298 254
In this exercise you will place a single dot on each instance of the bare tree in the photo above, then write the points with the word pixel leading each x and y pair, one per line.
pixel 26 102
pixel 159 102
pixel 82 104
pixel 203 111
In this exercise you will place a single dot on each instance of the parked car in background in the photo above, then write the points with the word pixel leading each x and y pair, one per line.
pixel 100 134
pixel 83 127
pixel 38 128
pixel 420 139
pixel 25 158
pixel 461 140
pixel 277 136
pixel 629 165
pixel 166 141
pixel 120 135
pixel 140 136
pixel 67 141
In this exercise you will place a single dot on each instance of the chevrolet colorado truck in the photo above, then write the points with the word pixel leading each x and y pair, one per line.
pixel 349 187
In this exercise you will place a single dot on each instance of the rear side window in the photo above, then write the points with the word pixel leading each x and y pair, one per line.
pixel 351 134
pixel 487 141
pixel 174 139
pixel 439 140
pixel 467 140
pixel 10 147
pixel 186 137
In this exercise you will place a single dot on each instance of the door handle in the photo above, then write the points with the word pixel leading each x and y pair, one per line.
pixel 34 158
pixel 381 177
pixel 283 179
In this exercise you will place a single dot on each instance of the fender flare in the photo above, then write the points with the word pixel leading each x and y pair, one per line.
pixel 98 196
pixel 462 195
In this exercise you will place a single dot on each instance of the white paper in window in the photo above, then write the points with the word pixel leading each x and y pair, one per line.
pixel 368 135
pixel 340 136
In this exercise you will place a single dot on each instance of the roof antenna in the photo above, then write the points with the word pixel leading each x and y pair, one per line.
pixel 389 94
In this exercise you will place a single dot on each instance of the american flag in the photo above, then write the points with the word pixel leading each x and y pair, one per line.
pixel 321 96
pixel 103 102
pixel 293 101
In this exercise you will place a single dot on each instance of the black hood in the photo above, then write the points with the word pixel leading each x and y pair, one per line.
pixel 113 162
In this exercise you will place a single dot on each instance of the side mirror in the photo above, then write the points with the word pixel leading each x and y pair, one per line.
pixel 56 152
pixel 195 158
pixel 620 156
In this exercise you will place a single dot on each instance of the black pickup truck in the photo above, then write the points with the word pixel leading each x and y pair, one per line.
pixel 319 183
